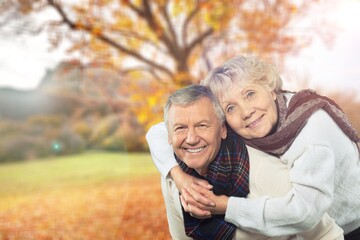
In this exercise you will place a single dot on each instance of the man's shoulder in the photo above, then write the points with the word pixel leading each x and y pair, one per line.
pixel 232 136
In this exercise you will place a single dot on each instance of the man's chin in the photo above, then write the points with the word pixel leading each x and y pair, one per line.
pixel 193 163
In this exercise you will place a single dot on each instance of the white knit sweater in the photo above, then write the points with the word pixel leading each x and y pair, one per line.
pixel 325 173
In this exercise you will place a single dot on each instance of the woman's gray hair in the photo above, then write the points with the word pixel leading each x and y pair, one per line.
pixel 190 94
pixel 240 69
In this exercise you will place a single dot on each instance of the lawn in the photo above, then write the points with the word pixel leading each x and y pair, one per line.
pixel 88 196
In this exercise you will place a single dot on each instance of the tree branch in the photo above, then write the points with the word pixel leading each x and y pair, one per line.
pixel 142 69
pixel 157 29
pixel 169 23
pixel 199 39
pixel 108 40
pixel 187 21
pixel 135 35
pixel 138 11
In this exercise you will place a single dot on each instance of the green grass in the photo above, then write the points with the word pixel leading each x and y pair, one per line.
pixel 73 171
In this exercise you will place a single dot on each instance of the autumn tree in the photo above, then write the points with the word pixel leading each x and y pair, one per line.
pixel 158 46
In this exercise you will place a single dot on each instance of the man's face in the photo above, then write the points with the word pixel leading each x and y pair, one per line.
pixel 195 133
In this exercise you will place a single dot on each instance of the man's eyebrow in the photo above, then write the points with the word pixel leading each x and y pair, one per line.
pixel 178 124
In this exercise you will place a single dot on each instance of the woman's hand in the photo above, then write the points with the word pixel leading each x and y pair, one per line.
pixel 192 202
pixel 194 211
pixel 185 181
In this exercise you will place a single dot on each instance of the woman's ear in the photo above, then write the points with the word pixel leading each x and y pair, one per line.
pixel 273 94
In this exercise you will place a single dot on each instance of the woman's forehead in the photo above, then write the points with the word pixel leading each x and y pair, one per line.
pixel 238 89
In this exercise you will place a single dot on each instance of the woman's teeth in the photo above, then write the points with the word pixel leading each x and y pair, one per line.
pixel 253 124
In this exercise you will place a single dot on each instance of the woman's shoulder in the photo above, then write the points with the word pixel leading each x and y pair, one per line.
pixel 321 125
pixel 321 130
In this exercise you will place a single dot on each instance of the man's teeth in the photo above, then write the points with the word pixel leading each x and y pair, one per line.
pixel 195 150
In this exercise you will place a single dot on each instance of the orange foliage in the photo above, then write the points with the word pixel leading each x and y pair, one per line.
pixel 136 30
pixel 265 25
pixel 350 104
pixel 147 99
pixel 174 41
pixel 133 209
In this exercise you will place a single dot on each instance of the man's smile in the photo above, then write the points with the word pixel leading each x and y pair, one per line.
pixel 194 150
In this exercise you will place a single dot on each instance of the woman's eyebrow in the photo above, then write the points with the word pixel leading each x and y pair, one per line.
pixel 246 89
pixel 225 102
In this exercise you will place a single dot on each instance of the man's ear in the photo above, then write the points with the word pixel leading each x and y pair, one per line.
pixel 169 139
pixel 223 131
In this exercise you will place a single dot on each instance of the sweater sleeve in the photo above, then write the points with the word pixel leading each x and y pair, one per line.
pixel 311 163
pixel 161 151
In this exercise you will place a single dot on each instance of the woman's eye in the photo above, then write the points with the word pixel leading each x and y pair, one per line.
pixel 250 94
pixel 229 109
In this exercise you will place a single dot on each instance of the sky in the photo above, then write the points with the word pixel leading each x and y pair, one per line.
pixel 335 67
pixel 23 61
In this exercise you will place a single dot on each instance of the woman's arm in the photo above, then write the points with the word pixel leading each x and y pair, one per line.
pixel 161 151
pixel 312 165
pixel 300 209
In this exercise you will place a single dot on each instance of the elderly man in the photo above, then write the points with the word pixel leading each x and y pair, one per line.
pixel 198 135
pixel 206 149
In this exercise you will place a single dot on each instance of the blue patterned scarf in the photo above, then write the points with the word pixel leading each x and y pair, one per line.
pixel 229 175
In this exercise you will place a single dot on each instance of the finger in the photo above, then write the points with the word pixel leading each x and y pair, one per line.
pixel 201 190
pixel 199 194
pixel 186 196
pixel 197 212
pixel 203 183
pixel 194 211
pixel 184 204
pixel 189 200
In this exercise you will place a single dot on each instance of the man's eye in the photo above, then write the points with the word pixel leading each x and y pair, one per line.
pixel 179 129
pixel 203 126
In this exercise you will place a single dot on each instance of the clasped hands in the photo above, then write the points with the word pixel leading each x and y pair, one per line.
pixel 197 197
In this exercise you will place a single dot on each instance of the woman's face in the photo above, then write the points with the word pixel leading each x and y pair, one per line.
pixel 250 109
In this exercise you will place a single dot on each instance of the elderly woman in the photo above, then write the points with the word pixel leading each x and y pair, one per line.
pixel 308 132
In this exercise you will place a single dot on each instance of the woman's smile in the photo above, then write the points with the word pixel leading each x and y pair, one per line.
pixel 255 123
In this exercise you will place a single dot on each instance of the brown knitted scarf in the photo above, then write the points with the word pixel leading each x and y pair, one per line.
pixel 293 118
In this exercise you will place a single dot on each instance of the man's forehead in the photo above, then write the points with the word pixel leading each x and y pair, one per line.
pixel 198 105
pixel 191 114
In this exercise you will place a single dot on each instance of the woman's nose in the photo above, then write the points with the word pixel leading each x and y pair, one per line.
pixel 246 110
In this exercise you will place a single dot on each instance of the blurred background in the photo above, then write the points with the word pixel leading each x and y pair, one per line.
pixel 82 81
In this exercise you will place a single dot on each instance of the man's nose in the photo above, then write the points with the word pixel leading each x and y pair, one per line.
pixel 192 136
